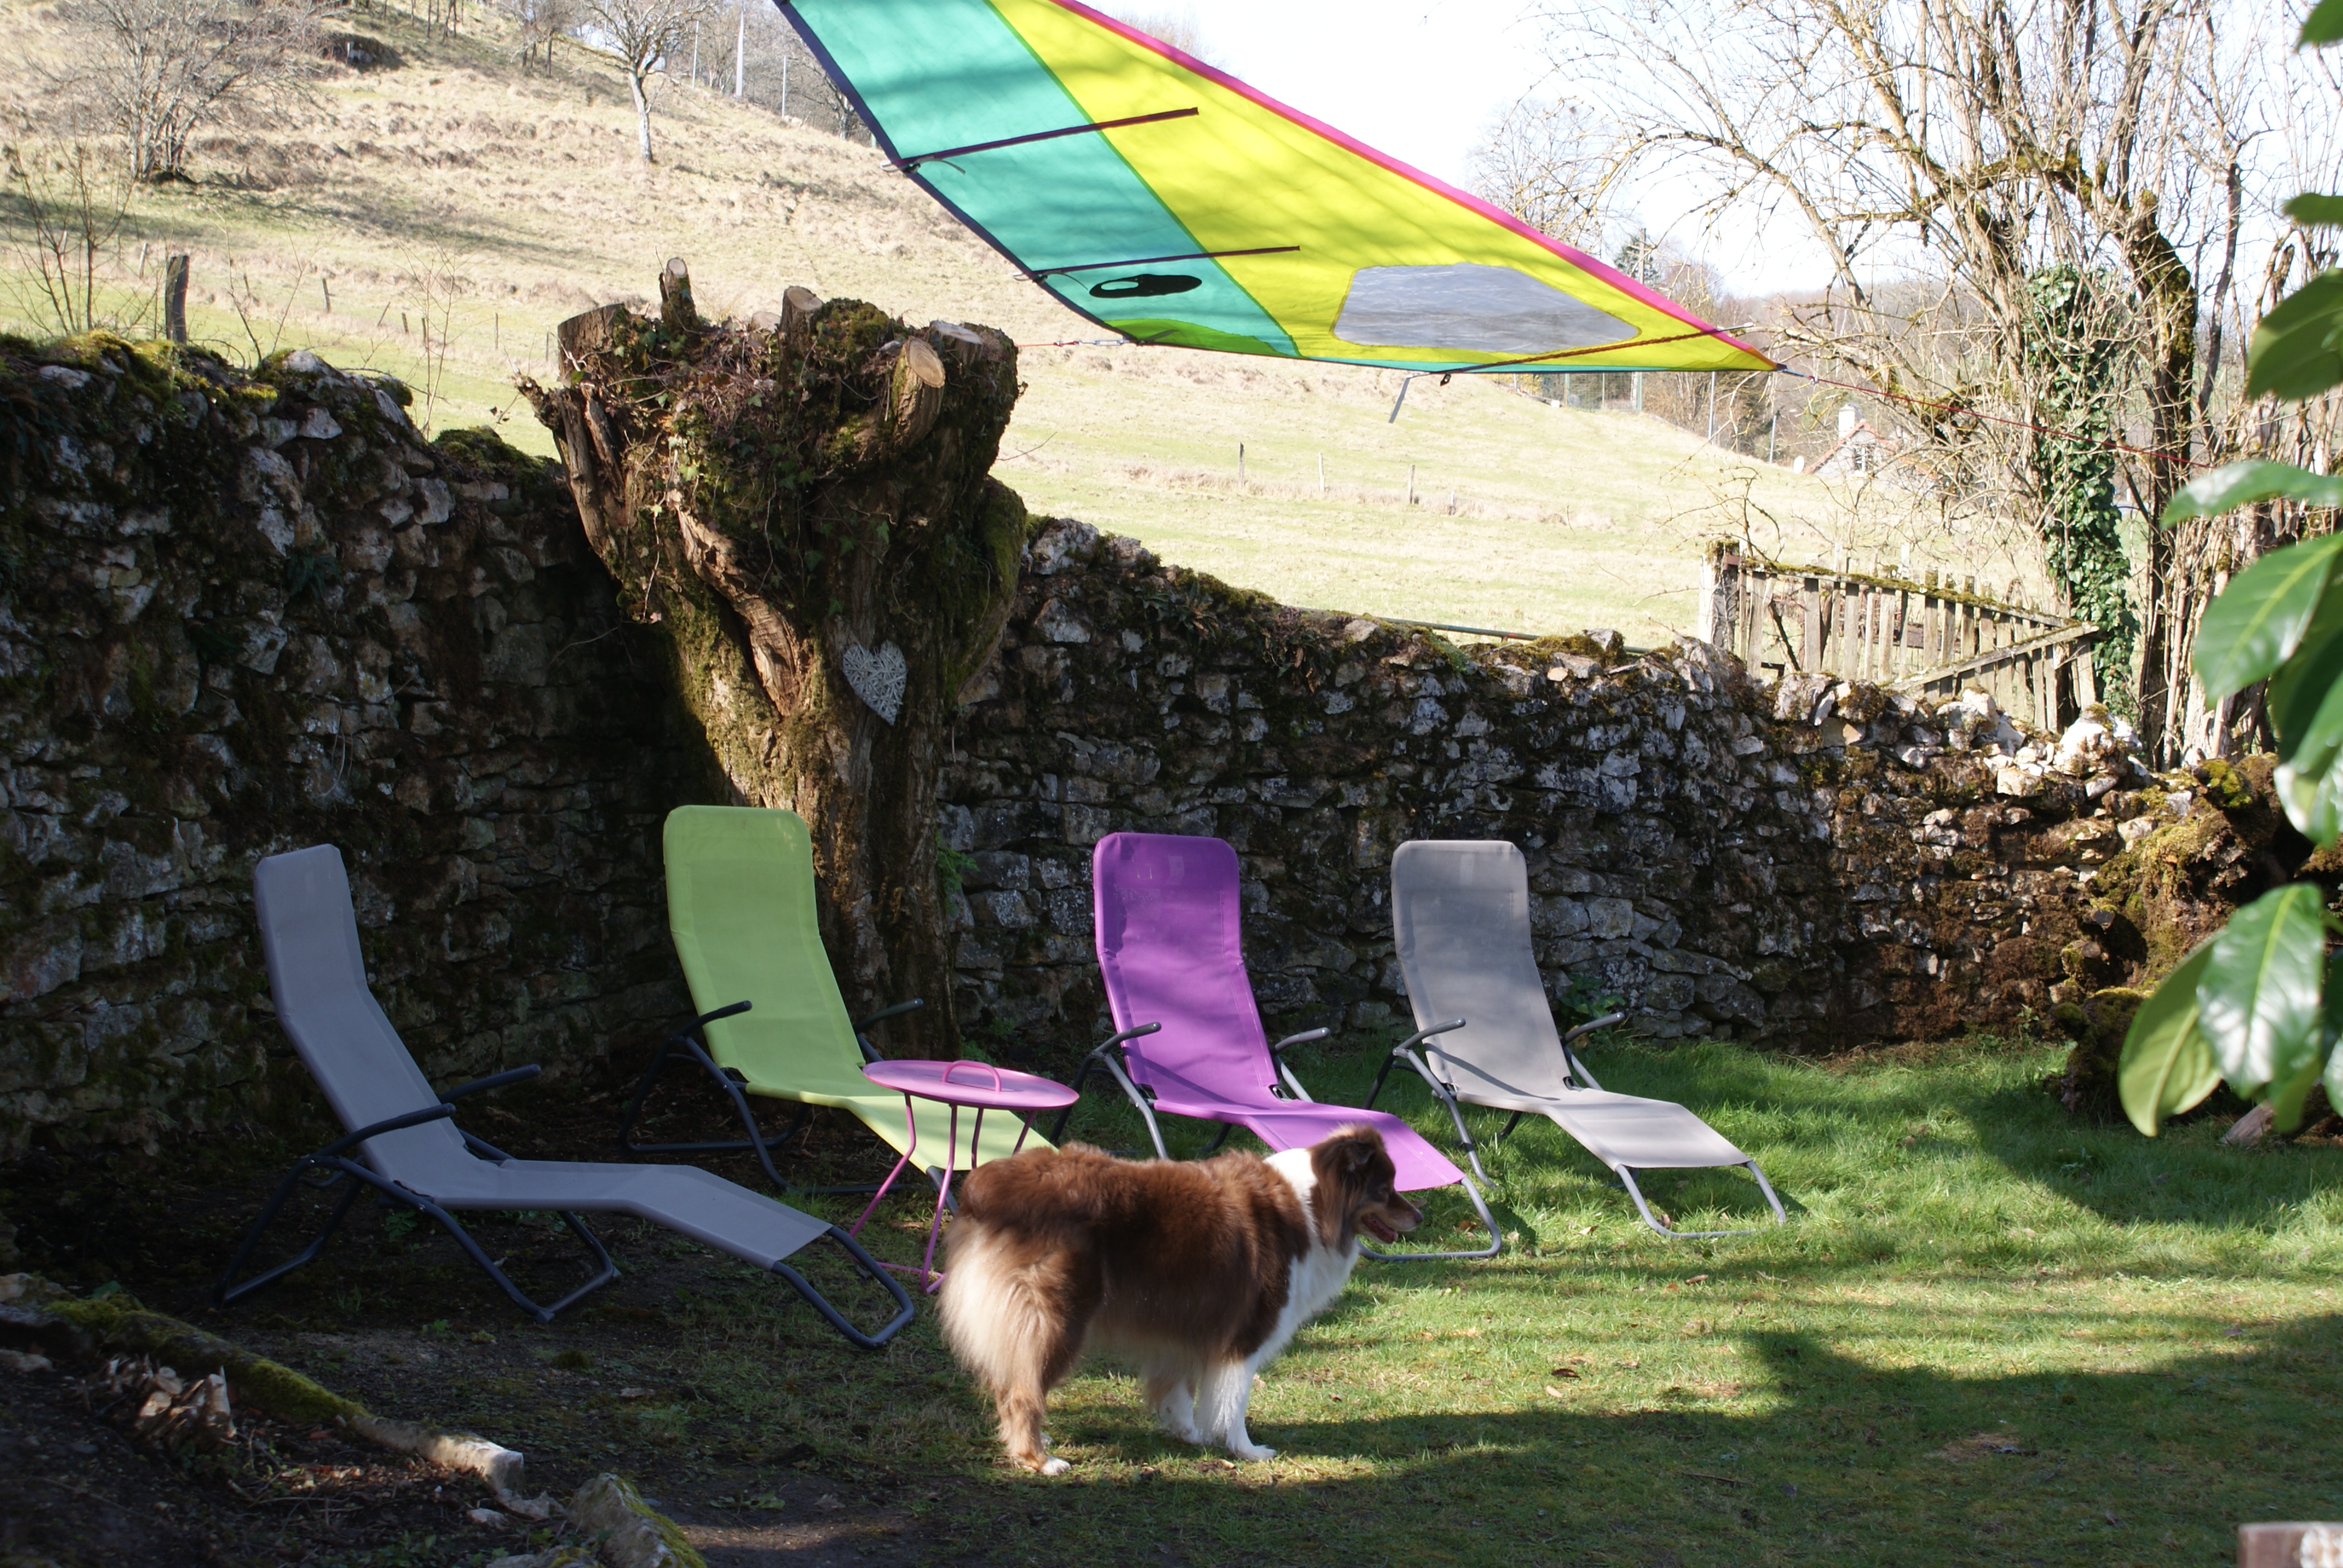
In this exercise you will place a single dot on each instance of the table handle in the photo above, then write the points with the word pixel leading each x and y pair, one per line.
pixel 988 1067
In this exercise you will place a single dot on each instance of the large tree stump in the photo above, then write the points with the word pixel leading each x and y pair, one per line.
pixel 785 501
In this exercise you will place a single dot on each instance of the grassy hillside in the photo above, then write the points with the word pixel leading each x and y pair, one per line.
pixel 435 217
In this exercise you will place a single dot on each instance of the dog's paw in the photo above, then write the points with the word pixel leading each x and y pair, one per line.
pixel 1251 1453
pixel 1184 1431
pixel 1055 1467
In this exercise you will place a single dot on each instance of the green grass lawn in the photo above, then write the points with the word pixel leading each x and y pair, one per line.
pixel 1989 1333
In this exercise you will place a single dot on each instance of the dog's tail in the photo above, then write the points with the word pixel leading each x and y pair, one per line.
pixel 1011 1313
pixel 999 1306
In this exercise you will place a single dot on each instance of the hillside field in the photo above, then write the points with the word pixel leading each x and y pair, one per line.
pixel 434 216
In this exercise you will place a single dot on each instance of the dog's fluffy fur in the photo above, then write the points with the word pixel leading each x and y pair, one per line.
pixel 1202 1269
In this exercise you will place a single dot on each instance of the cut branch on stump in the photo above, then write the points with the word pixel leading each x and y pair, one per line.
pixel 773 497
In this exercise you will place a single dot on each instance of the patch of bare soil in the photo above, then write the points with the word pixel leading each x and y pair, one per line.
pixel 713 1387
pixel 80 1489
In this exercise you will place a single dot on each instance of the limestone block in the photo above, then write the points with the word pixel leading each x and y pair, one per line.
pixel 999 869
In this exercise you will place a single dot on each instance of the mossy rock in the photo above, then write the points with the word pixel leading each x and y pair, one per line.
pixel 121 1323
pixel 2097 1024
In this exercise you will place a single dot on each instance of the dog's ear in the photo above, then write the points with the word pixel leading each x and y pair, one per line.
pixel 1352 1148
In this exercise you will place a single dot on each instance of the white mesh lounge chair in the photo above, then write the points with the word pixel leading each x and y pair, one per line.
pixel 1460 912
pixel 413 1156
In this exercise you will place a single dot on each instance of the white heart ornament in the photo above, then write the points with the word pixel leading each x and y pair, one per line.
pixel 877 677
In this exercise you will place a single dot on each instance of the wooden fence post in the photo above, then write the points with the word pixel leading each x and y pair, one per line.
pixel 175 298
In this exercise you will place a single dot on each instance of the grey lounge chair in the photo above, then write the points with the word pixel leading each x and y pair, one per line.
pixel 412 1155
pixel 1460 912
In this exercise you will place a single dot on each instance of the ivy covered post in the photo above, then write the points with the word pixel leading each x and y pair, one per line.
pixel 2073 360
pixel 801 506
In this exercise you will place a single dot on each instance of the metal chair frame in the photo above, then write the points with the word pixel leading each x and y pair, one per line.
pixel 335 1159
pixel 1108 1056
pixel 1578 1073
pixel 683 1046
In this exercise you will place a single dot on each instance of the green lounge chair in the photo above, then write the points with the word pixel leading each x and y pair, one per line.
pixel 740 906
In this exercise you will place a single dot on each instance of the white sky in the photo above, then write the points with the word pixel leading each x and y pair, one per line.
pixel 1423 80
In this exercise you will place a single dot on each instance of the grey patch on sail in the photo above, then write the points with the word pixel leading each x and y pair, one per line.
pixel 1472 307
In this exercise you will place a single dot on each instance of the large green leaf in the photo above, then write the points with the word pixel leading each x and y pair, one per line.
pixel 2286 1099
pixel 2334 1075
pixel 2324 25
pixel 2262 615
pixel 2259 1000
pixel 2297 352
pixel 2168 1063
pixel 2310 789
pixel 2300 687
pixel 2313 210
pixel 2305 704
pixel 2235 485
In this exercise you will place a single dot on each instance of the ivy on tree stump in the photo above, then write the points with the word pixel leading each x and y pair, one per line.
pixel 771 496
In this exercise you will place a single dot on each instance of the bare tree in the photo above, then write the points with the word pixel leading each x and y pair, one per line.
pixel 76 201
pixel 1543 162
pixel 1945 160
pixel 542 24
pixel 156 71
pixel 644 34
pixel 1177 27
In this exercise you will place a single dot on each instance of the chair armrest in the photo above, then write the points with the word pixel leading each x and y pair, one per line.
pixel 870 1051
pixel 1420 1035
pixel 1107 1055
pixel 1591 1025
pixel 390 1124
pixel 884 1013
pixel 1127 1034
pixel 494 1080
pixel 1304 1038
pixel 1570 1061
pixel 705 1019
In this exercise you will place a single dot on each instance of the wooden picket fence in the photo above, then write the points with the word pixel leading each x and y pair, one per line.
pixel 1930 637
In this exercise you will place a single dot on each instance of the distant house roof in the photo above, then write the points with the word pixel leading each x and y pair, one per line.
pixel 1860 450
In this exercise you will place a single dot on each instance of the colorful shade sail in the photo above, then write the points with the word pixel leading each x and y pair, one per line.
pixel 1175 204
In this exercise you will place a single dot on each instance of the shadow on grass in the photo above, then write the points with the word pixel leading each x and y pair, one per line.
pixel 1843 1463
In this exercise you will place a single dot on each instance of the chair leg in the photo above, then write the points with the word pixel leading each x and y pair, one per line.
pixel 836 1318
pixel 605 1270
pixel 1488 1224
pixel 682 1048
pixel 1058 1131
pixel 228 1290
pixel 756 1139
pixel 1627 1178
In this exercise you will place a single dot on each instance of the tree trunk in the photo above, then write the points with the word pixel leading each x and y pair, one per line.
pixel 642 116
pixel 803 509
pixel 2167 618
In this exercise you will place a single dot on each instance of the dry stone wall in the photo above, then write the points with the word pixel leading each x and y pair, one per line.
pixel 240 615
pixel 1813 865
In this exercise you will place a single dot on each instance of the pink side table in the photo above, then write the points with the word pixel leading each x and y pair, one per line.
pixel 982 1087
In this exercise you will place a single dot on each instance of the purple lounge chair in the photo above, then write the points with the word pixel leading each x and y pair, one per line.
pixel 1190 1041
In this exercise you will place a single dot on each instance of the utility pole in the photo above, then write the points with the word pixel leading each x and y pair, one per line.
pixel 740 54
pixel 1712 407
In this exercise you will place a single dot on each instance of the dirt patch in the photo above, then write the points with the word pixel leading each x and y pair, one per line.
pixel 78 1487
pixel 739 1414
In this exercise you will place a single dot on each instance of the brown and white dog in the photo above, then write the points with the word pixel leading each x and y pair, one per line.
pixel 1202 1268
